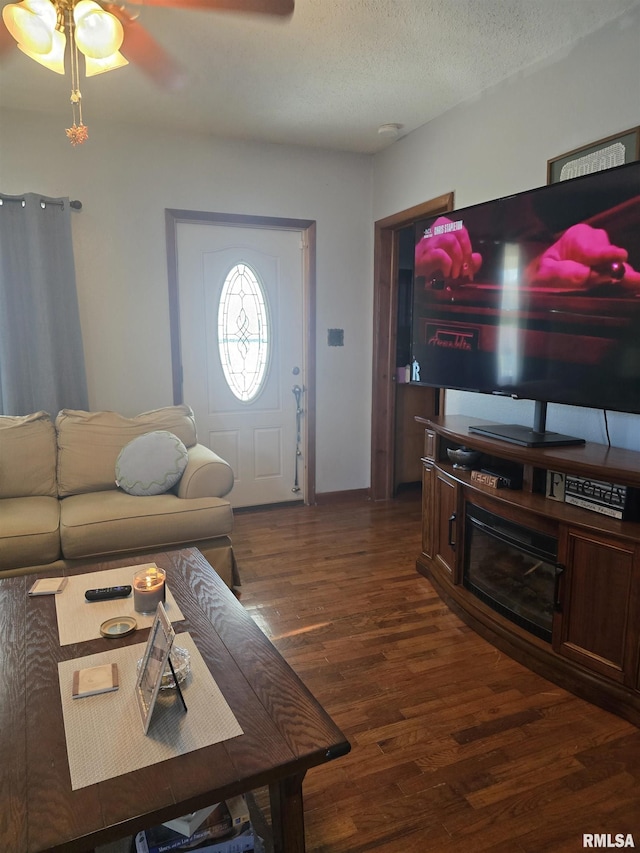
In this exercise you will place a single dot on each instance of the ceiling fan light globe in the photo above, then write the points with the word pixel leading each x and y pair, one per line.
pixel 98 34
pixel 83 8
pixel 30 28
pixel 99 66
pixel 54 60
pixel 45 8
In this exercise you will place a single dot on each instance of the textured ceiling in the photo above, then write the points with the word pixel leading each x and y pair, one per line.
pixel 330 75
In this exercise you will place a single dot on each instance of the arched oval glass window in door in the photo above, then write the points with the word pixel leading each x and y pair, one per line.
pixel 244 338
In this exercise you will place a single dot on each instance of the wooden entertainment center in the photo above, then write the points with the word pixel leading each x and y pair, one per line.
pixel 594 649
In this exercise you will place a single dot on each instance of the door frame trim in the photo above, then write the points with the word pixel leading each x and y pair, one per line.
pixel 307 227
pixel 385 321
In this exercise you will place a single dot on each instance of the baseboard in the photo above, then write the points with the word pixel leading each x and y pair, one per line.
pixel 348 496
pixel 266 507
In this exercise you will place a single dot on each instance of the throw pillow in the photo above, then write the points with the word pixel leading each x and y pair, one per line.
pixel 151 464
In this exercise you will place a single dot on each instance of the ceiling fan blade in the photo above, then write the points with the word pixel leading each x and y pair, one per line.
pixel 143 51
pixel 258 7
pixel 7 41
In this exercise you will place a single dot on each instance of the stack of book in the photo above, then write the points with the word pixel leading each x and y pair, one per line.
pixel 222 828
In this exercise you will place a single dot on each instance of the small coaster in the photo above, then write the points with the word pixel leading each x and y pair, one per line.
pixel 94 680
pixel 48 586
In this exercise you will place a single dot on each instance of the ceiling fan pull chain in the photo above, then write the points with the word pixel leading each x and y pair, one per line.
pixel 78 133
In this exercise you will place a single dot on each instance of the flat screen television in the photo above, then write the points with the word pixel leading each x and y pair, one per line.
pixel 534 296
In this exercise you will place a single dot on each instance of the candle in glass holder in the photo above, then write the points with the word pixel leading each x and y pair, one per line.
pixel 148 589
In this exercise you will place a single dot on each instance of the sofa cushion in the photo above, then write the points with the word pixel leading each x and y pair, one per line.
pixel 27 456
pixel 29 531
pixel 113 522
pixel 151 464
pixel 89 443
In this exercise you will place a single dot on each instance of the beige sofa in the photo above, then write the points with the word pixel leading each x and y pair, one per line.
pixel 60 505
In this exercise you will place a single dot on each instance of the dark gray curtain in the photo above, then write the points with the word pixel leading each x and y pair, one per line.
pixel 41 354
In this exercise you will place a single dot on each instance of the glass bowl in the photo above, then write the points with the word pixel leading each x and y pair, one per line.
pixel 181 661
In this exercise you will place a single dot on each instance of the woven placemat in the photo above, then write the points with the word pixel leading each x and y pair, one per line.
pixel 104 732
pixel 80 620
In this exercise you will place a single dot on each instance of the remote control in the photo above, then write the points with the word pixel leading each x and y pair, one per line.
pixel 107 592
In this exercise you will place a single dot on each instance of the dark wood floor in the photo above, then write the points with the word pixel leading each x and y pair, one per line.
pixel 454 745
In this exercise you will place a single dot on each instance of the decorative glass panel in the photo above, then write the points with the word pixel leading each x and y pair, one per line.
pixel 243 332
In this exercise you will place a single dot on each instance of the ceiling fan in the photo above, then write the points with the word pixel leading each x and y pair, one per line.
pixel 108 35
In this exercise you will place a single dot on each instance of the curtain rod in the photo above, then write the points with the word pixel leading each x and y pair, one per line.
pixel 75 204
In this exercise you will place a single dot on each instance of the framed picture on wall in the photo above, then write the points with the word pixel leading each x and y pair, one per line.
pixel 604 154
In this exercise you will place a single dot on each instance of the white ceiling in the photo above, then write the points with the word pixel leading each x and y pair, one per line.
pixel 330 75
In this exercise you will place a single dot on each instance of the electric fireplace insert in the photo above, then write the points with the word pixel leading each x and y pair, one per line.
pixel 512 568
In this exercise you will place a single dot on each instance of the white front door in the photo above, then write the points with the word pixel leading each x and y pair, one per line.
pixel 242 350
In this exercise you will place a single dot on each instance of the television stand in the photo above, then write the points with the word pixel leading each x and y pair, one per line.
pixel 586 587
pixel 526 437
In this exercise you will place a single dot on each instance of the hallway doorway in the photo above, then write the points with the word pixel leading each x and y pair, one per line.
pixel 385 325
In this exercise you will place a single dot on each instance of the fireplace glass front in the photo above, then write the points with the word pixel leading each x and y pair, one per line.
pixel 511 568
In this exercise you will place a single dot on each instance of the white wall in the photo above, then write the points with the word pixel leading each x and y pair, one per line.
pixel 499 144
pixel 125 178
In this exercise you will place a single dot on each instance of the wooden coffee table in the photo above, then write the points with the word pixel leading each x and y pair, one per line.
pixel 286 731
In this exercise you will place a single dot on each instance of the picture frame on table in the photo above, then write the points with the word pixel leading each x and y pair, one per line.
pixel 615 150
pixel 155 660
